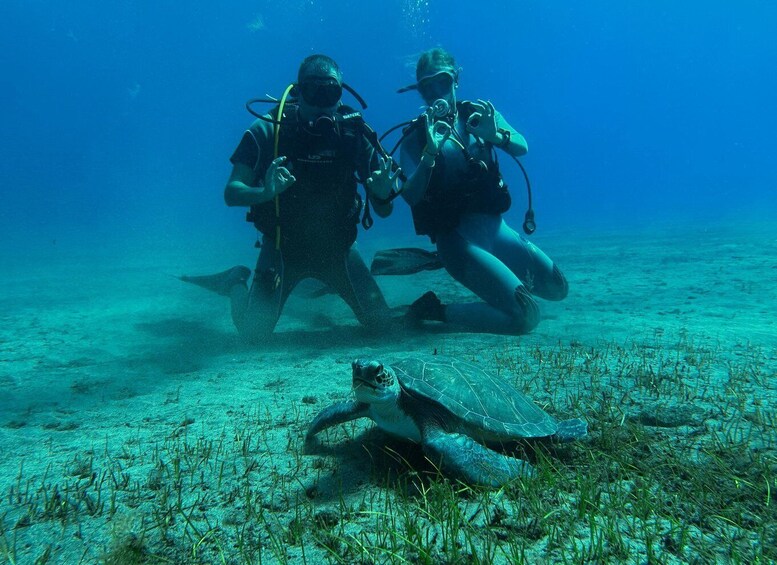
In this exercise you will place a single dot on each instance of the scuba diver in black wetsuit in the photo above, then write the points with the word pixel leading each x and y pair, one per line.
pixel 297 168
pixel 457 197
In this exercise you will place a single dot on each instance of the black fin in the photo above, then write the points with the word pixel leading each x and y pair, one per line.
pixel 404 261
pixel 220 283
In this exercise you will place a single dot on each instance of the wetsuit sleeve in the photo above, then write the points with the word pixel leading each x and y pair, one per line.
pixel 519 145
pixel 367 160
pixel 255 149
pixel 247 152
pixel 501 123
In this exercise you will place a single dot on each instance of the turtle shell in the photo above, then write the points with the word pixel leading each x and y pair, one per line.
pixel 481 400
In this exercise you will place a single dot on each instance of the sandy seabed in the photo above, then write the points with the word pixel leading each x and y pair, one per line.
pixel 135 427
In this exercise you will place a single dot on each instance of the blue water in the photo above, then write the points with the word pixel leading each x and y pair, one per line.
pixel 650 124
pixel 119 117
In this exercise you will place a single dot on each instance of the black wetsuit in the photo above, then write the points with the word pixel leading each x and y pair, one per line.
pixel 310 232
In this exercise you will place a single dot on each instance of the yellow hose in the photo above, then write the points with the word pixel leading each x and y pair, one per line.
pixel 278 119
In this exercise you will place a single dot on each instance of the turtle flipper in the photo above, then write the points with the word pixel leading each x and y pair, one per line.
pixel 570 430
pixel 471 461
pixel 336 414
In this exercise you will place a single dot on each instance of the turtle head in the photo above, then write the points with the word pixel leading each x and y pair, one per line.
pixel 373 381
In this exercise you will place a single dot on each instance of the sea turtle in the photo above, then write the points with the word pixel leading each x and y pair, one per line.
pixel 455 410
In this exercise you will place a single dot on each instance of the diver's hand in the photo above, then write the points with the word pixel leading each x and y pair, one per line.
pixel 382 180
pixel 277 178
pixel 437 133
pixel 482 122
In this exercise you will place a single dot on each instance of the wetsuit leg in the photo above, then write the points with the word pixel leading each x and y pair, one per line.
pixel 350 277
pixel 537 271
pixel 255 311
pixel 508 306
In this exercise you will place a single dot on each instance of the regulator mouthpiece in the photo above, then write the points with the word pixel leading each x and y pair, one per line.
pixel 440 108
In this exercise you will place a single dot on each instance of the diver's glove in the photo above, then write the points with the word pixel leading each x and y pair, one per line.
pixel 482 122
pixel 277 178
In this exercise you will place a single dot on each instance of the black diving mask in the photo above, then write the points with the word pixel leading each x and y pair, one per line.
pixel 321 93
pixel 436 86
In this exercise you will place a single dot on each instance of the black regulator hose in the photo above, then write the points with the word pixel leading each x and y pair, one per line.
pixel 440 109
pixel 529 225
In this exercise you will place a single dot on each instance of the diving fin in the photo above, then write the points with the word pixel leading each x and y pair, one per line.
pixel 404 261
pixel 220 283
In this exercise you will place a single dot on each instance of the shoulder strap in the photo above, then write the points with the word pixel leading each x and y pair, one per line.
pixel 350 118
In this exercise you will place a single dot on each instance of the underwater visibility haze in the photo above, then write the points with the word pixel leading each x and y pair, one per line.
pixel 136 426
pixel 645 112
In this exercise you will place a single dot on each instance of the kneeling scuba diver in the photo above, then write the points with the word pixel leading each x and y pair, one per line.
pixel 308 144
pixel 320 146
pixel 403 261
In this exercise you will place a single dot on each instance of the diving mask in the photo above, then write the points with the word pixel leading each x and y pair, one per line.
pixel 436 86
pixel 321 93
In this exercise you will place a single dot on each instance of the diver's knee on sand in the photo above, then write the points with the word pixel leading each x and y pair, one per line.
pixel 554 287
pixel 255 311
pixel 526 312
pixel 254 330
pixel 559 284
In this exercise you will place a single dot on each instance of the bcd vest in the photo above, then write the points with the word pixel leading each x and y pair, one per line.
pixel 448 196
pixel 320 211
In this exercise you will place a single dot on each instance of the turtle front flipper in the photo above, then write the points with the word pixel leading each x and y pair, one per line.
pixel 472 462
pixel 336 414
